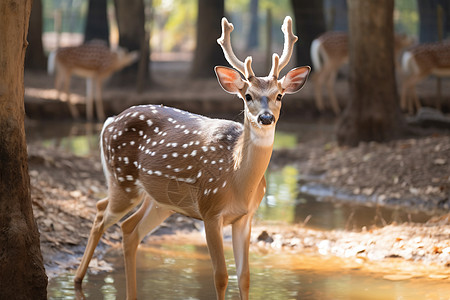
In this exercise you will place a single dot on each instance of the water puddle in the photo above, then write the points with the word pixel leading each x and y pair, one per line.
pixel 286 201
pixel 185 272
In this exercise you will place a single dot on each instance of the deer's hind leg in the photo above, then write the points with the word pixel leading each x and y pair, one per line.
pixel 148 217
pixel 107 215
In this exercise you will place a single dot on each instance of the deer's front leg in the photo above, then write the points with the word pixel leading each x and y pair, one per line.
pixel 241 242
pixel 213 229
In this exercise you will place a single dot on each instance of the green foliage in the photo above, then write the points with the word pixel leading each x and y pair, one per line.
pixel 406 17
pixel 174 24
pixel 73 14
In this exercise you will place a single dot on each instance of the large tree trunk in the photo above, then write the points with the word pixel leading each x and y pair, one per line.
pixel 132 36
pixel 22 274
pixel 35 57
pixel 309 24
pixel 208 53
pixel 97 22
pixel 372 112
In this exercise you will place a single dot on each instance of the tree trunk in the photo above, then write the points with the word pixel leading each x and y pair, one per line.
pixel 22 274
pixel 35 57
pixel 309 24
pixel 131 23
pixel 97 22
pixel 208 53
pixel 372 112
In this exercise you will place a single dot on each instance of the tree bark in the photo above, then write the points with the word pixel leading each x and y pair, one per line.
pixel 309 24
pixel 131 23
pixel 208 53
pixel 97 22
pixel 22 274
pixel 35 57
pixel 372 112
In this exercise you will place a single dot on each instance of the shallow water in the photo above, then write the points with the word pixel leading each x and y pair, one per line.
pixel 185 272
pixel 285 201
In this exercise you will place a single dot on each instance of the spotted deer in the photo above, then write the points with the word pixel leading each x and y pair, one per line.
pixel 329 52
pixel 171 160
pixel 418 63
pixel 94 61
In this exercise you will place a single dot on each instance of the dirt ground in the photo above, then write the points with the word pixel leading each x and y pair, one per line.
pixel 409 173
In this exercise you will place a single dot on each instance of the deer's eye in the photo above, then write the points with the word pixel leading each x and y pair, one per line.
pixel 248 97
pixel 279 96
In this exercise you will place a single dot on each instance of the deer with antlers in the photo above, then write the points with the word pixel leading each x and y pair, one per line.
pixel 93 61
pixel 418 63
pixel 170 160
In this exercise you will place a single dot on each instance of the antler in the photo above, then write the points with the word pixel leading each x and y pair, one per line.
pixel 289 41
pixel 225 42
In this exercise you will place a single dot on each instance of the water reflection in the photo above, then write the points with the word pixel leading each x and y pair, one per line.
pixel 78 138
pixel 185 272
pixel 285 201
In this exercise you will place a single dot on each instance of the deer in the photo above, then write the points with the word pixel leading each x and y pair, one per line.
pixel 418 63
pixel 329 52
pixel 169 160
pixel 94 61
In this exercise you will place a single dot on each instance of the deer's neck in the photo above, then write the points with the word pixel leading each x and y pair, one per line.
pixel 252 155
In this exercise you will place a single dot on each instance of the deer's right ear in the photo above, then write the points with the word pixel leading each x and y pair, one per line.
pixel 230 80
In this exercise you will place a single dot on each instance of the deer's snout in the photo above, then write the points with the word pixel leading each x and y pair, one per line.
pixel 266 118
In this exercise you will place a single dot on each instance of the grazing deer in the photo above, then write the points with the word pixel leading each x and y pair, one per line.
pixel 209 169
pixel 418 63
pixel 93 61
pixel 328 53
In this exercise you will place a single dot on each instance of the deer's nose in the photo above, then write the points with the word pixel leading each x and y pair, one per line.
pixel 266 118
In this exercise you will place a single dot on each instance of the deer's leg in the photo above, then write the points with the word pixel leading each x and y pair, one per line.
pixel 213 229
pixel 241 243
pixel 319 77
pixel 72 107
pixel 404 95
pixel 58 83
pixel 331 92
pixel 409 95
pixel 98 100
pixel 134 229
pixel 105 217
pixel 90 99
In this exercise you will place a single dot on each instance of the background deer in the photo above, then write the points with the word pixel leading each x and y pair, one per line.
pixel 328 53
pixel 209 169
pixel 418 63
pixel 93 61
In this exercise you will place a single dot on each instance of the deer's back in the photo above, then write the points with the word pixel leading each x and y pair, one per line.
pixel 181 159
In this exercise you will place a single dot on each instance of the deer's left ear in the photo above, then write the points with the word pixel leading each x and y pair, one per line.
pixel 295 79
pixel 230 80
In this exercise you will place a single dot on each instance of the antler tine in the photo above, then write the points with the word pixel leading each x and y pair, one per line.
pixel 275 64
pixel 225 42
pixel 289 41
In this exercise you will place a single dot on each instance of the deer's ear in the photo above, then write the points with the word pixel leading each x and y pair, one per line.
pixel 230 80
pixel 295 79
